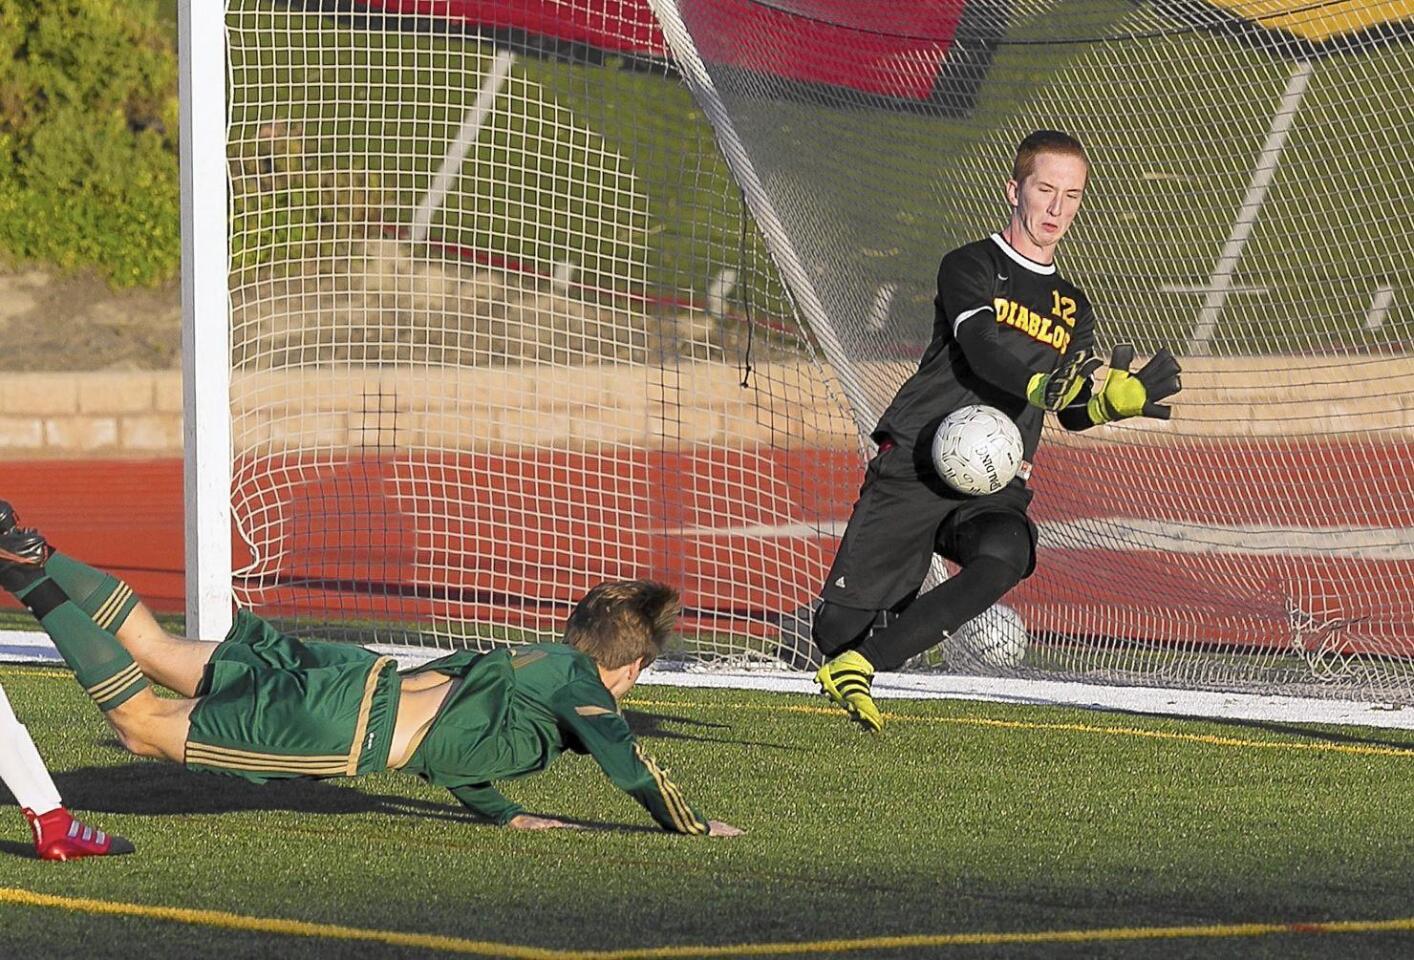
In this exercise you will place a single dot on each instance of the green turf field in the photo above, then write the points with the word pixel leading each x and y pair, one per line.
pixel 965 830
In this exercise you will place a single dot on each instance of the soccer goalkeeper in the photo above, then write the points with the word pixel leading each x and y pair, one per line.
pixel 1009 332
pixel 264 706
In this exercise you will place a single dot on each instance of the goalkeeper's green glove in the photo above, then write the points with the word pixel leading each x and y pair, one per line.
pixel 1054 391
pixel 1136 394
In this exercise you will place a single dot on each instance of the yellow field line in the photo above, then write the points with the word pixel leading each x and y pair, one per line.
pixel 446 944
pixel 294 928
pixel 1212 740
pixel 1089 728
pixel 36 672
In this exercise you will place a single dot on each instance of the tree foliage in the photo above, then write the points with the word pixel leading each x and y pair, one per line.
pixel 88 138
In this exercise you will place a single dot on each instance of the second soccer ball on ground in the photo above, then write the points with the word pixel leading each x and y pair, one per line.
pixel 977 450
pixel 997 639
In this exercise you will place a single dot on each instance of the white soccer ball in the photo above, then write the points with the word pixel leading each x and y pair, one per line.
pixel 977 450
pixel 996 638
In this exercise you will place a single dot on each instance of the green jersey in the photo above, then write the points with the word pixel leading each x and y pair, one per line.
pixel 512 712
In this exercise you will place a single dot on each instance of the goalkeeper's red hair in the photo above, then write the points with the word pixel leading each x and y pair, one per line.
pixel 622 621
pixel 1044 141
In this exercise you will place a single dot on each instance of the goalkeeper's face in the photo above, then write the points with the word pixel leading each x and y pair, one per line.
pixel 1044 204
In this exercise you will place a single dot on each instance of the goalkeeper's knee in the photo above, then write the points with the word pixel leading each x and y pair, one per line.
pixel 1001 539
pixel 836 628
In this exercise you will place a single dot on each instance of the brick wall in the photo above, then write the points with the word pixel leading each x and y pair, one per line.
pixel 135 414
pixel 138 414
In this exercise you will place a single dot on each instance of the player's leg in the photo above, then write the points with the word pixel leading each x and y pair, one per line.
pixel 845 677
pixel 150 726
pixel 174 662
pixel 995 552
pixel 837 628
pixel 58 835
pixel 21 768
pixel 36 570
pixel 100 664
pixel 882 558
pixel 103 667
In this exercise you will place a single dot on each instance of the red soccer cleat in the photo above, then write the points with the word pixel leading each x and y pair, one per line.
pixel 59 836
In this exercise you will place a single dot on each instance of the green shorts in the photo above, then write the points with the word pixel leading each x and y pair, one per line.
pixel 276 708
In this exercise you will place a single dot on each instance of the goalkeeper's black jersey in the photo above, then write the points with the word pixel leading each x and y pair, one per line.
pixel 514 711
pixel 1038 316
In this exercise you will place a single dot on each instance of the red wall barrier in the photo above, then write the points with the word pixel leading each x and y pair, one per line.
pixel 893 50
pixel 518 538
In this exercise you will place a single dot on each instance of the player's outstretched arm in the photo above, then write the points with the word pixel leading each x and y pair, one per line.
pixel 488 803
pixel 592 716
pixel 994 363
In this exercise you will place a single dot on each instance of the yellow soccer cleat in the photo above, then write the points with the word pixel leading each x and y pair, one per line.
pixel 846 680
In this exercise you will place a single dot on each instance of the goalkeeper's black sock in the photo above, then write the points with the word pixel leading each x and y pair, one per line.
pixel 939 612
pixel 101 595
pixel 101 665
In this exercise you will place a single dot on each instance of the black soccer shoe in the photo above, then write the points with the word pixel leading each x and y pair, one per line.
pixel 23 553
pixel 9 519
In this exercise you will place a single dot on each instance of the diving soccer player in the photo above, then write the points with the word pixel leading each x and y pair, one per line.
pixel 264 706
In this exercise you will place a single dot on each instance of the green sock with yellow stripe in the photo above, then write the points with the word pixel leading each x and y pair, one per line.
pixel 100 664
pixel 102 596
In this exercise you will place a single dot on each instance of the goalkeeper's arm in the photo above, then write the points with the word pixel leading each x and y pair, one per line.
pixel 1000 367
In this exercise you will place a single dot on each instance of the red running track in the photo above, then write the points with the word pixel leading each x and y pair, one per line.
pixel 370 537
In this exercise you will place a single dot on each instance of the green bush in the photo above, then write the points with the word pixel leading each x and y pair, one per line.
pixel 88 138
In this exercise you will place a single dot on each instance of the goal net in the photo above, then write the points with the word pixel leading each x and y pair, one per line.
pixel 526 295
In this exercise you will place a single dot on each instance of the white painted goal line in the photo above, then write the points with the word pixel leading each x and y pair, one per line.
pixel 27 647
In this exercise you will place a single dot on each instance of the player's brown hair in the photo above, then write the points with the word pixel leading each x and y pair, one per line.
pixel 618 622
pixel 1044 141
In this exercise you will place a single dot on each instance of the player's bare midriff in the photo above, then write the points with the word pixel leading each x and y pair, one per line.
pixel 422 696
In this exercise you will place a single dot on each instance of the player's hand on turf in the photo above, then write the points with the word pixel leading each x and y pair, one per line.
pixel 719 828
pixel 1136 394
pixel 1056 390
pixel 528 821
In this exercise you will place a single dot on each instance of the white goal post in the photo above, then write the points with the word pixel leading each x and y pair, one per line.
pixel 206 343
pixel 460 338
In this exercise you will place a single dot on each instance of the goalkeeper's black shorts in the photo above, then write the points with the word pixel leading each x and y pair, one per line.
pixel 904 514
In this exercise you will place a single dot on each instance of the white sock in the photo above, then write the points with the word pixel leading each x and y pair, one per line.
pixel 21 767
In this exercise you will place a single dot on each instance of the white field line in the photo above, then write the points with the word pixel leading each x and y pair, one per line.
pixel 1220 285
pixel 1250 289
pixel 1379 307
pixel 451 166
pixel 1148 700
pixel 1109 533
pixel 879 306
pixel 36 648
pixel 1124 533
pixel 719 289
